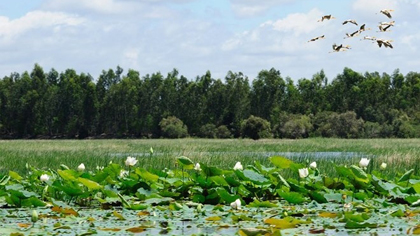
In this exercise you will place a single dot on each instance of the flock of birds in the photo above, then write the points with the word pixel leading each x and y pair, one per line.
pixel 383 27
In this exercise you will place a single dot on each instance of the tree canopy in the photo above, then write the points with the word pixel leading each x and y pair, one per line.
pixel 68 104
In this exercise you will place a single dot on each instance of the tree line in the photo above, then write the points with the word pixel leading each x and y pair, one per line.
pixel 41 104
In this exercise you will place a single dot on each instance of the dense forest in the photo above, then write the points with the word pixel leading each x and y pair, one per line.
pixel 40 104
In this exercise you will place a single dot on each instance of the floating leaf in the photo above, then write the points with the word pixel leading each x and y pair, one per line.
pixel 358 225
pixel 136 229
pixel 214 218
pixel 252 232
pixel 24 225
pixel 257 203
pixel 286 223
pixel 326 214
pixel 118 215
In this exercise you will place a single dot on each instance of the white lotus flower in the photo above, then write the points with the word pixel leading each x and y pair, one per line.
pixel 364 162
pixel 236 204
pixel 81 167
pixel 197 167
pixel 44 178
pixel 123 173
pixel 131 161
pixel 312 165
pixel 238 166
pixel 303 173
pixel 383 166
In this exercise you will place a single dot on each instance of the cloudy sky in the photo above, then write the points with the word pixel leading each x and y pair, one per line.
pixel 194 36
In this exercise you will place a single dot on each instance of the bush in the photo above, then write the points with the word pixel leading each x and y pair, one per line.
pixel 344 125
pixel 256 127
pixel 208 131
pixel 172 127
pixel 223 132
pixel 298 127
pixel 372 130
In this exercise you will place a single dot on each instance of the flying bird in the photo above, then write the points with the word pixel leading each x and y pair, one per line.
pixel 386 43
pixel 384 29
pixel 326 17
pixel 387 23
pixel 350 21
pixel 363 28
pixel 338 48
pixel 317 38
pixel 369 38
pixel 355 33
pixel 386 12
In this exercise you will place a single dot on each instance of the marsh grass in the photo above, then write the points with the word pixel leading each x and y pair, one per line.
pixel 399 154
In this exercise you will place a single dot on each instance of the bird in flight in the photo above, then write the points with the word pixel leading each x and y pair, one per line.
pixel 363 28
pixel 355 33
pixel 338 48
pixel 317 38
pixel 369 38
pixel 386 43
pixel 350 21
pixel 384 29
pixel 326 17
pixel 387 23
pixel 386 12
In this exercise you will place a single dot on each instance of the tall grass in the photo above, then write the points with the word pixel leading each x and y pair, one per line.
pixel 399 154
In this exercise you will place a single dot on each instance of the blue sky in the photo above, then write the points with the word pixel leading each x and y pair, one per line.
pixel 194 36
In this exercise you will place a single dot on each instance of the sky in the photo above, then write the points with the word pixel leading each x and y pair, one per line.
pixel 195 36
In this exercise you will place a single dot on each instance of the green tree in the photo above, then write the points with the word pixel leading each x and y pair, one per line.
pixel 173 127
pixel 256 128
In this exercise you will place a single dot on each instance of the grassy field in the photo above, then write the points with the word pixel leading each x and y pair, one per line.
pixel 399 154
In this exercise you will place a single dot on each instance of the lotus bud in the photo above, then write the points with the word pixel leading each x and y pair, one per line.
pixel 34 216
pixel 151 150
pixel 197 167
pixel 199 207
pixel 383 166
pixel 44 178
pixel 313 165
pixel 303 173
pixel 81 167
pixel 238 166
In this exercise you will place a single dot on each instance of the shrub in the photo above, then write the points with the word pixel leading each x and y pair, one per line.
pixel 172 127
pixel 256 127
pixel 298 127
pixel 208 131
pixel 223 132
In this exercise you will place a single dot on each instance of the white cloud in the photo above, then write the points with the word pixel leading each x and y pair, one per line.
pixel 298 23
pixel 249 8
pixel 34 21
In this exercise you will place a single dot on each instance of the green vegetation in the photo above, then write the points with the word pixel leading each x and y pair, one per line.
pixel 401 154
pixel 40 104
pixel 251 200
